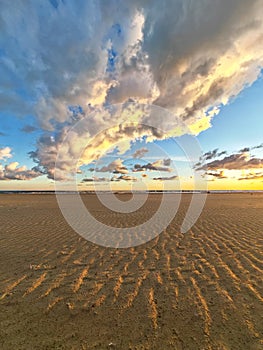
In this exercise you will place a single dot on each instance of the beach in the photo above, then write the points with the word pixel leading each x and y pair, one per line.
pixel 202 289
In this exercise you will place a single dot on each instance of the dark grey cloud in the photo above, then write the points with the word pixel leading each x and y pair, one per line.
pixel 236 161
pixel 165 178
pixel 218 175
pixel 121 170
pixel 212 154
pixel 96 179
pixel 258 146
pixel 240 160
pixel 28 129
pixel 222 153
pixel 124 177
pixel 245 149
pixel 167 162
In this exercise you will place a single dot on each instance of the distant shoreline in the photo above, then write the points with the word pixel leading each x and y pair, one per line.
pixel 129 192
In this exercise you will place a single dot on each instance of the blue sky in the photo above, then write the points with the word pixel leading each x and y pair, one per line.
pixel 239 124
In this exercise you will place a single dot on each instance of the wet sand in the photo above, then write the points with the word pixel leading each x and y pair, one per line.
pixel 199 290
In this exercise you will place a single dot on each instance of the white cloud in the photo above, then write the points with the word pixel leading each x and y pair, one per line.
pixel 12 171
pixel 5 153
pixel 11 166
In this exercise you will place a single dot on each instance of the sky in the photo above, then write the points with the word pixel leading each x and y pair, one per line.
pixel 115 95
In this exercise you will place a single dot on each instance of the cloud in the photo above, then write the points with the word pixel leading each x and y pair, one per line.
pixel 65 62
pixel 96 179
pixel 158 165
pixel 125 178
pixel 76 147
pixel 13 171
pixel 218 175
pixel 244 150
pixel 236 161
pixel 5 153
pixel 46 155
pixel 258 146
pixel 121 170
pixel 2 133
pixel 140 153
pixel 166 178
pixel 212 154
pixel 11 166
pixel 115 167
pixel 252 176
pixel 61 55
pixel 28 129
pixel 167 162
pixel 205 52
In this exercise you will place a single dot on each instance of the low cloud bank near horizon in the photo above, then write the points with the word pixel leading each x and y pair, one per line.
pixel 215 163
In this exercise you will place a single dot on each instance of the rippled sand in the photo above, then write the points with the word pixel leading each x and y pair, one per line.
pixel 199 290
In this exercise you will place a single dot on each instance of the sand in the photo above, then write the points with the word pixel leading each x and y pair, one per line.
pixel 199 290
